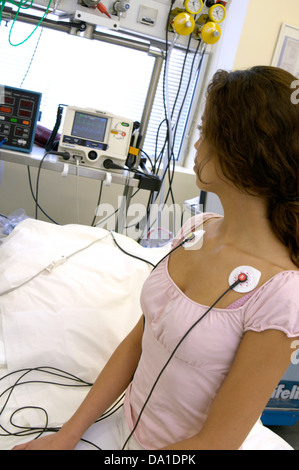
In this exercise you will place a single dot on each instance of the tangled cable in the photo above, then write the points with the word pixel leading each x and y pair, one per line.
pixel 69 380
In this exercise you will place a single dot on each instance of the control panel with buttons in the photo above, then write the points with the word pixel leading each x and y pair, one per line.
pixel 19 114
pixel 90 136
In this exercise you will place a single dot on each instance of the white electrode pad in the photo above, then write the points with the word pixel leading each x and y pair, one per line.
pixel 253 278
pixel 195 241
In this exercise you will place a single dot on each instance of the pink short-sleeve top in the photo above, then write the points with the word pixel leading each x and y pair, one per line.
pixel 180 401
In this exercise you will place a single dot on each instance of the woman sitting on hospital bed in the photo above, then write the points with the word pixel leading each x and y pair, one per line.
pixel 204 364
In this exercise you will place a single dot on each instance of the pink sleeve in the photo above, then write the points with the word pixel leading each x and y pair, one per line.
pixel 276 305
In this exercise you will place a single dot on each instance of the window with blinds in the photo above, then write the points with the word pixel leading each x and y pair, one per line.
pixel 88 73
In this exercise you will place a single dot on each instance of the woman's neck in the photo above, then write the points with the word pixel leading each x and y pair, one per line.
pixel 245 223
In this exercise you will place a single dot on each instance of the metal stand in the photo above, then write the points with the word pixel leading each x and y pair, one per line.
pixel 143 126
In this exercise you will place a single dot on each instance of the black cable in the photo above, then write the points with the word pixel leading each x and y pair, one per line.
pixel 37 431
pixel 130 254
pixel 37 183
pixel 187 89
pixel 178 90
pixel 98 203
pixel 231 287
pixel 187 239
pixel 109 164
pixel 43 369
pixel 182 75
pixel 169 169
pixel 51 140
pixel 165 120
pixel 149 159
pixel 33 196
pixel 158 159
pixel 171 176
pixel 171 158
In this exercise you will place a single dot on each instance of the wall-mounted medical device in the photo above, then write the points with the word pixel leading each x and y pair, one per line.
pixel 140 18
pixel 19 113
pixel 90 137
pixel 201 20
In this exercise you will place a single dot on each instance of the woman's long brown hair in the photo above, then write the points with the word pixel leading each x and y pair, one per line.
pixel 252 123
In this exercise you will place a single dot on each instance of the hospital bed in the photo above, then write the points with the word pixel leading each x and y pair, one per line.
pixel 70 296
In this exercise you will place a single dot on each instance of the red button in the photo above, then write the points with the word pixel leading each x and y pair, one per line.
pixel 242 277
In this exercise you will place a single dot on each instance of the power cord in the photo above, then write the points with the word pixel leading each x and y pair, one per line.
pixel 38 177
pixel 78 159
pixel 147 180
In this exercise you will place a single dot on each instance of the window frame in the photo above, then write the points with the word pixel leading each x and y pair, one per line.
pixel 154 48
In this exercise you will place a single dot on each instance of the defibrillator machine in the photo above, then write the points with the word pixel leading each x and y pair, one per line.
pixel 90 137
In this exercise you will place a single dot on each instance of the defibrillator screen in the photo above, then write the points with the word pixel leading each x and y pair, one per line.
pixel 89 126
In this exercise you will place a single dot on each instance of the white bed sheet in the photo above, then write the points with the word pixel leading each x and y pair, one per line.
pixel 72 318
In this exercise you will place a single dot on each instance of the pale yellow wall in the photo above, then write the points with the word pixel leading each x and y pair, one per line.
pixel 261 29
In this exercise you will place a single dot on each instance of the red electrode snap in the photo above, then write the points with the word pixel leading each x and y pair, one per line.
pixel 242 277
pixel 245 279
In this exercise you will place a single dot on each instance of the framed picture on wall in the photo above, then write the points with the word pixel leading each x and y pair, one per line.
pixel 286 53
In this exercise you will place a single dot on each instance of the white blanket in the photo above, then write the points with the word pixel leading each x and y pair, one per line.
pixel 71 318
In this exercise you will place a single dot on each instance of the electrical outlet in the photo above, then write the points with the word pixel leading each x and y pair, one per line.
pixel 147 15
